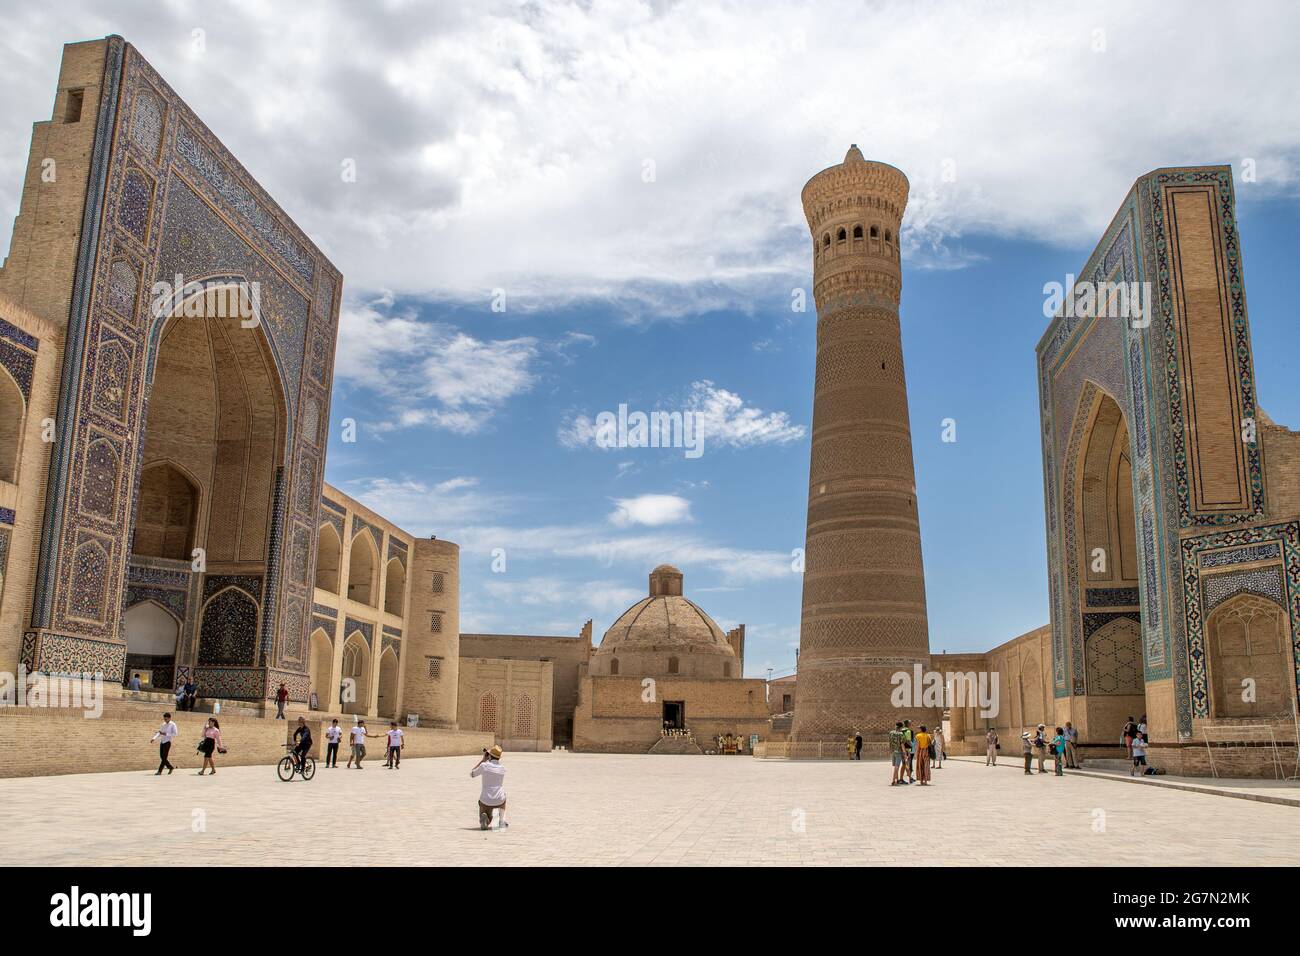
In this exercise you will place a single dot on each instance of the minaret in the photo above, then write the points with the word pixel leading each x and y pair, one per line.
pixel 864 587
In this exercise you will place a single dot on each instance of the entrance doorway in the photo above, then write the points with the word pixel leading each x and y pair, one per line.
pixel 674 715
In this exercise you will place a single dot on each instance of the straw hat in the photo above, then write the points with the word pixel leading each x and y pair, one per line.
pixel 495 752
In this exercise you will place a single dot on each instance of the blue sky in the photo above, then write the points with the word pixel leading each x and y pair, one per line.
pixel 626 174
pixel 969 335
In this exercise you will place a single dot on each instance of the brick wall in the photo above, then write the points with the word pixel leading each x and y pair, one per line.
pixel 513 686
pixel 566 654
pixel 39 742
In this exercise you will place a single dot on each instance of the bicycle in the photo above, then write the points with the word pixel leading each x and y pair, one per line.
pixel 288 766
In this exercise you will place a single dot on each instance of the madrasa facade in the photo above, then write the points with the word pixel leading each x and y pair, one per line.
pixel 1172 506
pixel 167 339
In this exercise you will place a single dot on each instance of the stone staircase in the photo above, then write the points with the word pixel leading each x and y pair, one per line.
pixel 677 745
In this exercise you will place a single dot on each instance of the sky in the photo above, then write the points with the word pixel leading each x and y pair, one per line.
pixel 546 210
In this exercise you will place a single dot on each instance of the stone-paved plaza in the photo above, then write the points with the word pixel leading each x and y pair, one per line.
pixel 620 809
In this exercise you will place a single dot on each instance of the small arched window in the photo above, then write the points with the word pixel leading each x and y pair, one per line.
pixel 613 666
pixel 826 240
pixel 888 236
pixel 857 232
pixel 841 236
pixel 875 232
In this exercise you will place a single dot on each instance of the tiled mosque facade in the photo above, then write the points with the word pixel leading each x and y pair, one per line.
pixel 170 438
pixel 1172 500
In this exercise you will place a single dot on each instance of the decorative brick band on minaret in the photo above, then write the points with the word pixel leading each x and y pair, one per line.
pixel 864 586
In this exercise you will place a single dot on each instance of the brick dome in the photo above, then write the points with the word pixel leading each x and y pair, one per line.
pixel 665 633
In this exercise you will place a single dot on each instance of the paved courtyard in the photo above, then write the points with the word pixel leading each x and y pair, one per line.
pixel 615 809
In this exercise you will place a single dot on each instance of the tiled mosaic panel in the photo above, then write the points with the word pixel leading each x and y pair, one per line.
pixel 143 172
pixel 18 361
pixel 1287 536
pixel 1115 658
pixel 367 630
pixel 228 634
pixel 1265 582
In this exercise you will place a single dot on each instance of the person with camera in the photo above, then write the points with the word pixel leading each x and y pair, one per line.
pixel 493 794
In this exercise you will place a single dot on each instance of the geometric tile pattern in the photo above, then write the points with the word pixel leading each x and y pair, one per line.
pixel 1265 582
pixel 1287 537
pixel 1115 658
pixel 167 192
pixel 1140 366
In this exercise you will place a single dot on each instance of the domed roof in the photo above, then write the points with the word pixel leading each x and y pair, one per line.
pixel 665 619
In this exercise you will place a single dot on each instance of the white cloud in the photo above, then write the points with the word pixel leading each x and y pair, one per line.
pixel 722 417
pixel 651 510
pixel 726 418
pixel 430 373
pixel 642 549
pixel 420 508
pixel 500 145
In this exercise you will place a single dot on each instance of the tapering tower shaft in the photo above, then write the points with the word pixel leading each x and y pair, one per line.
pixel 864 615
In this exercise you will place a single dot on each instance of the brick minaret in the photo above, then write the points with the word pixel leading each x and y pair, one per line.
pixel 864 588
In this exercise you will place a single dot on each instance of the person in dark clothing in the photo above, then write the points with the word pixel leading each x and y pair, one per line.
pixel 301 741
pixel 281 697
pixel 857 745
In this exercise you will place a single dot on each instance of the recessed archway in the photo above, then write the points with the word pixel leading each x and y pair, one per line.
pixel 329 551
pixel 386 705
pixel 354 694
pixel 319 669
pixel 151 637
pixel 12 411
pixel 1108 525
pixel 1250 663
pixel 1102 639
pixel 363 557
pixel 165 518
pixel 394 587
pixel 214 442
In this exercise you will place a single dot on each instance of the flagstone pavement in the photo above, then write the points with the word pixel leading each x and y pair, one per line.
pixel 600 809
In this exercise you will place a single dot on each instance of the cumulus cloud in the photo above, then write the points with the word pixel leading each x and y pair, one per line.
pixel 726 418
pixel 651 510
pixel 428 372
pixel 655 151
pixel 721 416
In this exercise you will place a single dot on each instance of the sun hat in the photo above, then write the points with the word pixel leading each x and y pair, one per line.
pixel 496 752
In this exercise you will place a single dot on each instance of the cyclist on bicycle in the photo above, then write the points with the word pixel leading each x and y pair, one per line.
pixel 301 742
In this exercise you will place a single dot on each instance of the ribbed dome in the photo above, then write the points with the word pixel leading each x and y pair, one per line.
pixel 665 623
pixel 661 621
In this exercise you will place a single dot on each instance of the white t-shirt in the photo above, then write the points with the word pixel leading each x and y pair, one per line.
pixel 167 731
pixel 494 783
pixel 394 738
pixel 333 733
pixel 358 735
pixel 1139 747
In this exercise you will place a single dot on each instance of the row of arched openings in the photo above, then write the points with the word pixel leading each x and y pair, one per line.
pixel 363 570
pixel 857 234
